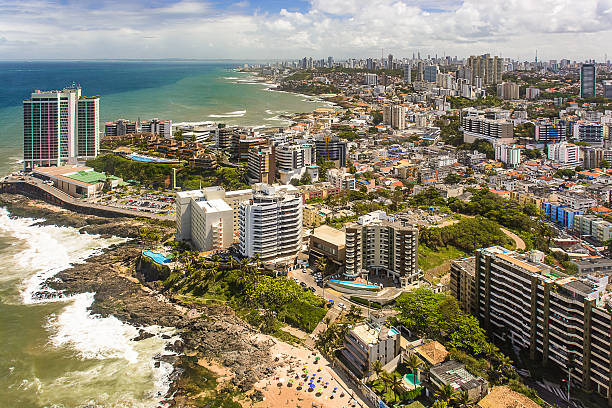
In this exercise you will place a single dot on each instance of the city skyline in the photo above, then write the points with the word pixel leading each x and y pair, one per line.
pixel 42 29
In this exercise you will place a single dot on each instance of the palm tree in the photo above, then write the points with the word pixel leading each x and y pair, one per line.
pixel 377 367
pixel 396 384
pixel 321 264
pixel 386 379
pixel 439 404
pixel 463 400
pixel 445 393
pixel 326 320
pixel 413 363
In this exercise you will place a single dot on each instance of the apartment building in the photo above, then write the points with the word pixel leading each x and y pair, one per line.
pixel 395 116
pixel 492 130
pixel 120 127
pixel 589 132
pixel 594 156
pixel 463 283
pixel 485 68
pixel 508 90
pixel 549 132
pixel 331 148
pixel 327 243
pixel 560 213
pixel 565 154
pixel 261 165
pixel 156 126
pixel 510 155
pixel 564 320
pixel 341 178
pixel 186 201
pixel 271 224
pixel 377 242
pixel 369 342
pixel 598 229
pixel 59 127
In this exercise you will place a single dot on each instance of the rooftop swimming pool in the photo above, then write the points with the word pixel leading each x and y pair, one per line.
pixel 147 159
pixel 156 257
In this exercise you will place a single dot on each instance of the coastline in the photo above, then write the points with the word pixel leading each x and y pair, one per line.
pixel 210 334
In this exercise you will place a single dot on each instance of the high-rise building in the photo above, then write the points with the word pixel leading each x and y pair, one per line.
pixel 510 155
pixel 330 147
pixel 588 76
pixel 209 218
pixel 488 68
pixel 371 79
pixel 395 116
pixel 492 130
pixel 390 61
pixel 564 153
pixel 594 156
pixel 508 90
pixel 261 165
pixel 407 74
pixel 607 88
pixel 430 73
pixel 293 156
pixel 120 127
pixel 224 137
pixel 271 224
pixel 559 319
pixel 463 283
pixel 158 127
pixel 589 132
pixel 532 93
pixel 377 242
pixel 341 178
pixel 60 126
pixel 548 132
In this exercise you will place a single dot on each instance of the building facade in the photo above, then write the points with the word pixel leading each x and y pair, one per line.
pixel 271 224
pixel 377 242
pixel 59 127
pixel 588 77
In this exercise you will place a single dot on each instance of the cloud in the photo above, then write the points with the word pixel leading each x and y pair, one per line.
pixel 342 28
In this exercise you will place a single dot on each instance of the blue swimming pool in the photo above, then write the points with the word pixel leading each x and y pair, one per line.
pixel 146 159
pixel 156 257
pixel 354 284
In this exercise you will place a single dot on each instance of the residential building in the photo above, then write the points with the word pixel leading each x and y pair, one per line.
pixel 371 79
pixel 463 283
pixel 369 342
pixel 271 224
pixel 377 242
pixel 532 93
pixel 548 132
pixel 328 243
pixel 598 229
pixel 430 73
pixel 566 154
pixel 594 156
pixel 261 165
pixel 395 116
pixel 120 127
pixel 159 127
pixel 225 136
pixel 510 155
pixel 59 127
pixel 560 214
pixel 504 397
pixel 607 88
pixel 341 178
pixel 330 148
pixel 454 373
pixel 508 90
pixel 564 320
pixel 589 132
pixel 183 204
pixel 204 161
pixel 488 69
pixel 315 214
pixel 588 77
pixel 491 130
pixel 407 74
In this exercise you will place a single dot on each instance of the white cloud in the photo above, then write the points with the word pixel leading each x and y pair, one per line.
pixel 198 29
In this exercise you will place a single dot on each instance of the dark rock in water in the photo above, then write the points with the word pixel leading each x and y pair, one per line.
pixel 142 335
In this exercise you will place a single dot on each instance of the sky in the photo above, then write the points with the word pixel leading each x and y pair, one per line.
pixel 275 29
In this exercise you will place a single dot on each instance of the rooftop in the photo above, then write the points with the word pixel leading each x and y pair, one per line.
pixel 329 234
pixel 454 373
pixel 433 352
pixel 504 397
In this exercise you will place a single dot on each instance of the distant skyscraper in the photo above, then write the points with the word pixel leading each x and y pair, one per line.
pixel 390 61
pixel 330 62
pixel 430 72
pixel 60 126
pixel 486 67
pixel 587 80
pixel 607 85
pixel 407 74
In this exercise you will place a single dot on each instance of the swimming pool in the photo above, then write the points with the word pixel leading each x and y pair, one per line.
pixel 355 284
pixel 146 159
pixel 412 379
pixel 156 257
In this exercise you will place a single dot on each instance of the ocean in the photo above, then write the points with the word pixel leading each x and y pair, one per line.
pixel 55 352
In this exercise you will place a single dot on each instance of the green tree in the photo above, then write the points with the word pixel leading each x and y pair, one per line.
pixel 463 400
pixel 604 164
pixel 452 178
pixel 445 393
pixel 377 367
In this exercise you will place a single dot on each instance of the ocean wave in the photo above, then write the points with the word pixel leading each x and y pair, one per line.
pixel 235 114
pixel 47 250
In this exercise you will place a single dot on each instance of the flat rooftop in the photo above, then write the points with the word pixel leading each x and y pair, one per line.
pixel 211 206
pixel 331 235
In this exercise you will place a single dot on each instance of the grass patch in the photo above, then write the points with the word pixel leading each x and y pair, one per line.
pixel 364 302
pixel 431 258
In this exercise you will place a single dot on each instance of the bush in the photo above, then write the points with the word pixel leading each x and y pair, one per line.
pixel 364 302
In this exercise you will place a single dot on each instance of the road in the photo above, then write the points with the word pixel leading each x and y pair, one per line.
pixel 518 241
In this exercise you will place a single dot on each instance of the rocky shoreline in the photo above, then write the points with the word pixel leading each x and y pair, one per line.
pixel 210 332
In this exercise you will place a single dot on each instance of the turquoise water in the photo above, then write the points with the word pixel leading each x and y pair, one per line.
pixel 356 284
pixel 55 353
pixel 139 158
pixel 412 379
pixel 156 256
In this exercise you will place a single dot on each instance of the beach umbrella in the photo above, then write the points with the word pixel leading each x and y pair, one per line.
pixel 326 384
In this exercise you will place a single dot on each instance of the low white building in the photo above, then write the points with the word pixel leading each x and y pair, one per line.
pixel 508 154
pixel 567 154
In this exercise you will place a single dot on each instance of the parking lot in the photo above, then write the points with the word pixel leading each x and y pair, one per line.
pixel 157 203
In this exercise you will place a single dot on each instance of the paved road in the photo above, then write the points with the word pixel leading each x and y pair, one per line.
pixel 518 241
